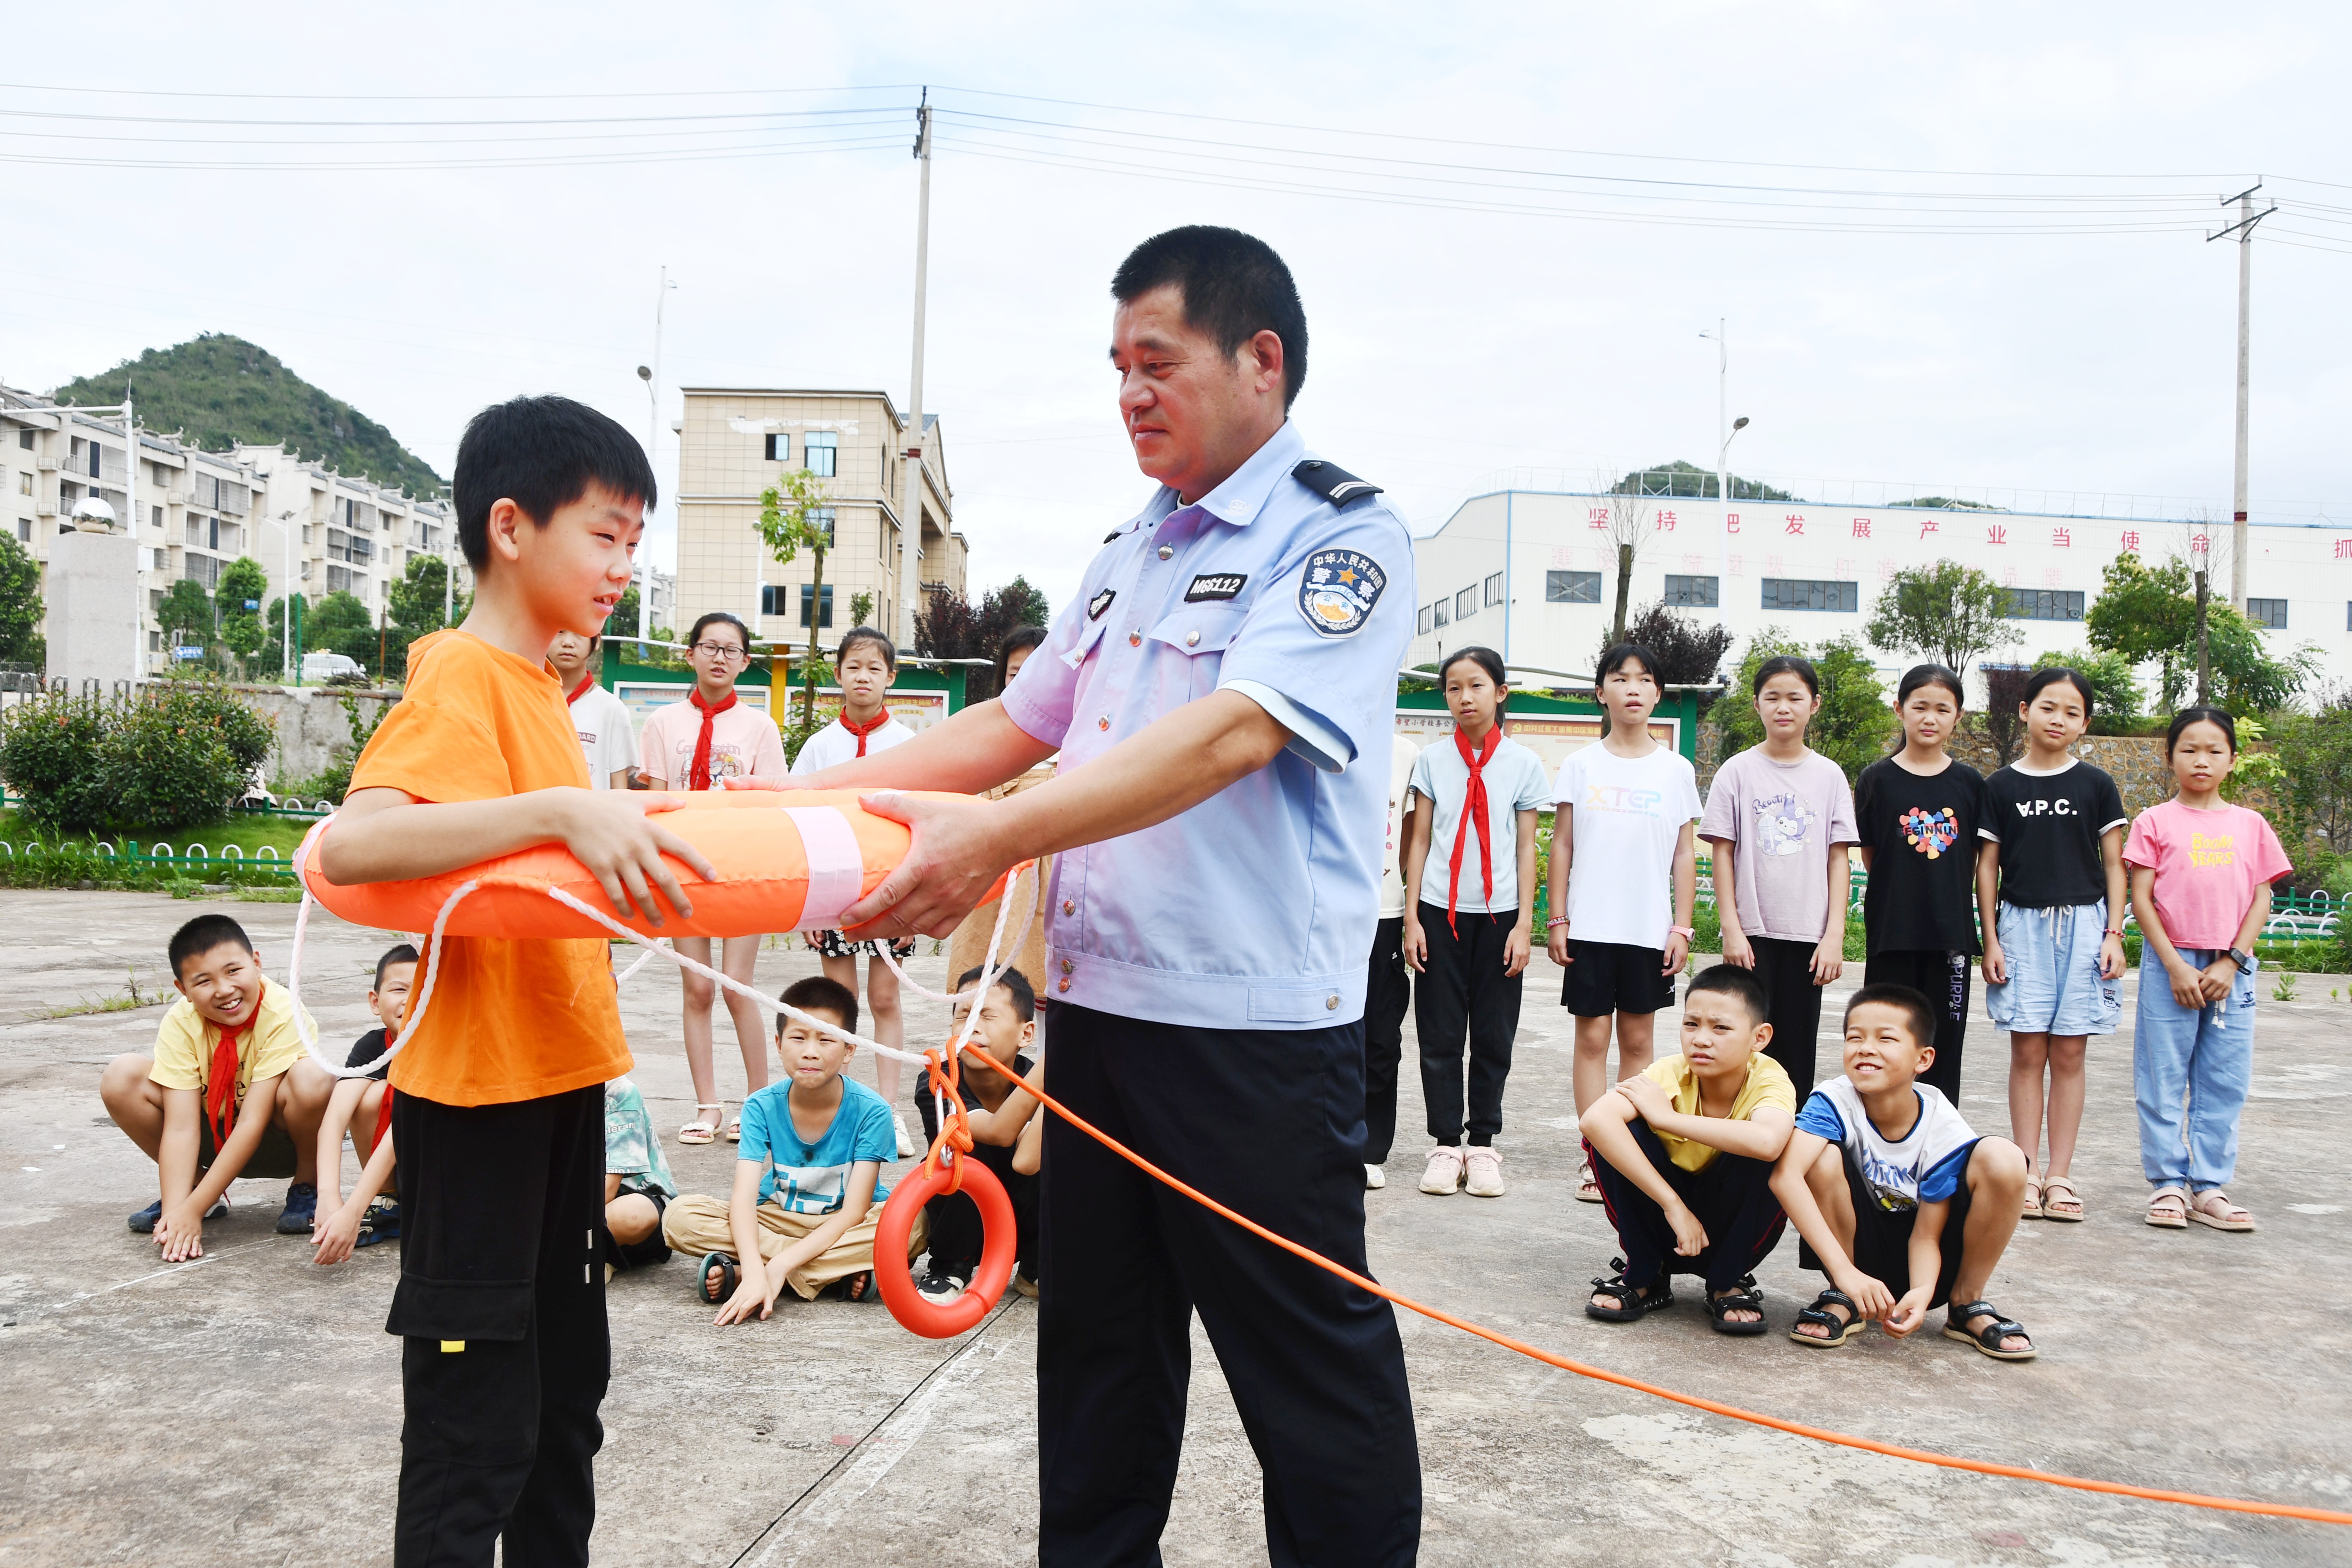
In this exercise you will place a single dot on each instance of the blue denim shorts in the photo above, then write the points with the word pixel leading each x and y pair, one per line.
pixel 2055 988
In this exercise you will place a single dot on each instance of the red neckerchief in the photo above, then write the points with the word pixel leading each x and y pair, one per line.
pixel 577 692
pixel 382 1114
pixel 1474 810
pixel 699 776
pixel 861 732
pixel 220 1084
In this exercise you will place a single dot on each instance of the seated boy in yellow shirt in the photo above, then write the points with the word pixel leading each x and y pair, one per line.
pixel 229 1092
pixel 1683 1155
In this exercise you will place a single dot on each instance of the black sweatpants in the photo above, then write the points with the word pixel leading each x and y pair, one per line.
pixel 1792 1005
pixel 1269 1122
pixel 1942 978
pixel 1464 991
pixel 1388 992
pixel 1732 1198
pixel 501 1303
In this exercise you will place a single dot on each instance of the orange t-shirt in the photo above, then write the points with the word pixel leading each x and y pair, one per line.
pixel 510 1020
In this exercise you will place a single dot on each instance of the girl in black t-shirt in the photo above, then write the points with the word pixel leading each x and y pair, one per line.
pixel 1917 813
pixel 2053 833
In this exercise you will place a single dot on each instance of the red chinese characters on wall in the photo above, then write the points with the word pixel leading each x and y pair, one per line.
pixel 2131 541
pixel 2062 538
pixel 1793 524
pixel 1597 517
pixel 2343 549
pixel 1861 528
pixel 1997 534
pixel 1928 525
pixel 1732 522
pixel 1665 522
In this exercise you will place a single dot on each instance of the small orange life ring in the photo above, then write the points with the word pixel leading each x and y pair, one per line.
pixel 789 861
pixel 1000 1243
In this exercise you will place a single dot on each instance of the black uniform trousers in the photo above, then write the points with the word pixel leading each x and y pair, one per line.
pixel 1943 979
pixel 1388 992
pixel 1792 1005
pixel 1463 992
pixel 501 1304
pixel 1732 1199
pixel 1269 1122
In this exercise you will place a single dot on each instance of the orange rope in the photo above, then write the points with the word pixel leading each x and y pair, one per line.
pixel 1820 1434
pixel 955 1128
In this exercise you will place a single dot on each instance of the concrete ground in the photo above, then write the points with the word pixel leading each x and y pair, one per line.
pixel 246 1408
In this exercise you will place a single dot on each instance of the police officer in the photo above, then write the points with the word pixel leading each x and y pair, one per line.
pixel 1222 693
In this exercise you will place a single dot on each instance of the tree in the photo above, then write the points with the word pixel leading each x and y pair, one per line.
pixel 1690 652
pixel 2148 614
pixel 1629 524
pixel 2314 755
pixel 2004 691
pixel 1946 612
pixel 1684 478
pixel 20 604
pixel 415 596
pixel 187 614
pixel 243 586
pixel 792 518
pixel 341 624
pixel 861 608
pixel 1855 721
pixel 1017 605
pixel 947 627
pixel 2115 694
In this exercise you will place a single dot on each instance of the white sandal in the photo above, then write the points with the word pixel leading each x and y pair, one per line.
pixel 2227 1216
pixel 702 1129
pixel 2167 1208
pixel 734 1129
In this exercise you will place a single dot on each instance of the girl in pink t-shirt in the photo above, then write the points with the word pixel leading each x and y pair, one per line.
pixel 2201 871
pixel 713 735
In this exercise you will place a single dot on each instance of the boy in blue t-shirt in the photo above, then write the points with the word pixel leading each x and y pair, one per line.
pixel 807 1175
pixel 1892 1191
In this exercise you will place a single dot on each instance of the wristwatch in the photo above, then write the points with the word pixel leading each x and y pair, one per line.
pixel 1681 931
pixel 2242 959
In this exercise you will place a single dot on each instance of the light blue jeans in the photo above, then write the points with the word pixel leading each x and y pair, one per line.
pixel 2054 986
pixel 2204 1056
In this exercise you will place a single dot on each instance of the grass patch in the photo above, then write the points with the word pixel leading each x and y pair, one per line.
pixel 245 833
pixel 269 895
pixel 128 999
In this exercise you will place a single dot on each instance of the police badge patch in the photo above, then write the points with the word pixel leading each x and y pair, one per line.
pixel 1098 604
pixel 1338 590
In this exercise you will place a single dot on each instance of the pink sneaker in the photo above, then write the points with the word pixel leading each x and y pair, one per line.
pixel 1484 1172
pixel 1445 1173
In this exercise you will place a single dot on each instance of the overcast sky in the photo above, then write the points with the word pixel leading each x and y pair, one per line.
pixel 1567 198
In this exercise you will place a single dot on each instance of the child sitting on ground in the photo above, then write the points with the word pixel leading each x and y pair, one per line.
pixel 809 1220
pixel 998 1113
pixel 638 1186
pixel 364 1107
pixel 1683 1153
pixel 229 1092
pixel 1887 1185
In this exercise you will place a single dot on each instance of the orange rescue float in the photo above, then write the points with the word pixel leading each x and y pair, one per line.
pixel 789 861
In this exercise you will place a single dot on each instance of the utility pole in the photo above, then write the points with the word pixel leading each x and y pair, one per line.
pixel 2244 229
pixel 652 375
pixel 910 492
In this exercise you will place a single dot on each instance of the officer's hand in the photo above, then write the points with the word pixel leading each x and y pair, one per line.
pixel 953 862
pixel 1416 945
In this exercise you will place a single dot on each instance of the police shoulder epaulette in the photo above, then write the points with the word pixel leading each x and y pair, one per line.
pixel 1114 534
pixel 1332 482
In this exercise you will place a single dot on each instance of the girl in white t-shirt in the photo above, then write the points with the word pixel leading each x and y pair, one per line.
pixel 713 735
pixel 1625 875
pixel 1469 918
pixel 867 662
pixel 606 738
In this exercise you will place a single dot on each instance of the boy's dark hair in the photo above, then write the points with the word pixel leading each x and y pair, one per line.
pixel 2043 678
pixel 818 994
pixel 709 618
pixel 200 936
pixel 1024 995
pixel 1235 286
pixel 542 454
pixel 2217 717
pixel 1618 655
pixel 1730 980
pixel 856 635
pixel 1919 1014
pixel 1786 664
pixel 402 954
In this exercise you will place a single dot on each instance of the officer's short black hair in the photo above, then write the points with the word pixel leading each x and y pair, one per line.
pixel 1012 983
pixel 200 936
pixel 1235 288
pixel 542 454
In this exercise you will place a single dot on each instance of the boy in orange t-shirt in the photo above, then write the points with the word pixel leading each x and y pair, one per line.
pixel 499 1112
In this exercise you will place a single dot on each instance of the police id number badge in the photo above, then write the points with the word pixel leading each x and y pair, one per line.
pixel 1338 589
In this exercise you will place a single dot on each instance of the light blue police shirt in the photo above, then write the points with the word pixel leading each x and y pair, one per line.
pixel 1256 909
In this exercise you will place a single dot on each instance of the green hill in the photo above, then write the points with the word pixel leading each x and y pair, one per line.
pixel 218 389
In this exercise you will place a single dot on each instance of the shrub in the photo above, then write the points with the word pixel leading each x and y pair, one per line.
pixel 1856 721
pixel 178 754
pixel 48 747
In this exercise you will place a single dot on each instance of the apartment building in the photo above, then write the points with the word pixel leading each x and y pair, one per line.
pixel 735 442
pixel 344 534
pixel 1533 573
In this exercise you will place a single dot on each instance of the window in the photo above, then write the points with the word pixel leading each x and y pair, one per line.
pixel 821 519
pixel 1495 589
pixel 25 535
pixel 772 600
pixel 1698 593
pixel 155 516
pixel 2045 605
pixel 1465 603
pixel 818 454
pixel 779 448
pixel 24 436
pixel 1812 593
pixel 25 484
pixel 2271 612
pixel 825 606
pixel 1443 619
pixel 1425 615
pixel 1571 587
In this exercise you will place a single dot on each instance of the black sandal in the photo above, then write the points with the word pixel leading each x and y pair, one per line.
pixel 1988 1338
pixel 1840 1330
pixel 1743 1297
pixel 1633 1302
pixel 727 1278
pixel 860 1287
